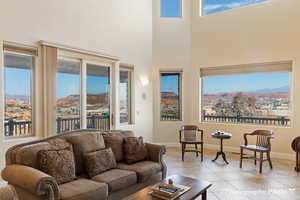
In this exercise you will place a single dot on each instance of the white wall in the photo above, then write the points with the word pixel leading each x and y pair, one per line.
pixel 171 51
pixel 117 27
pixel 266 32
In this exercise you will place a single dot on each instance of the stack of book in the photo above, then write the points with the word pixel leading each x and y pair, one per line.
pixel 168 191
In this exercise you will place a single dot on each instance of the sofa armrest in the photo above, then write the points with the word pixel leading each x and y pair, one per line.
pixel 32 180
pixel 8 193
pixel 155 151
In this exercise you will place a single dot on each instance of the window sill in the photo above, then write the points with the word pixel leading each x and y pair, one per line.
pixel 19 139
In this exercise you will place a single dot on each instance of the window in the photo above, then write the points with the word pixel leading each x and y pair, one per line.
pixel 68 95
pixel 18 94
pixel 125 95
pixel 171 8
pixel 98 96
pixel 170 96
pixel 214 6
pixel 253 98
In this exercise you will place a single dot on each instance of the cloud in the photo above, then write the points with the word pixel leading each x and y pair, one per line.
pixel 229 5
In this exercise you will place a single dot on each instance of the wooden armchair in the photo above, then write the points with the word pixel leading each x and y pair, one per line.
pixel 188 135
pixel 263 145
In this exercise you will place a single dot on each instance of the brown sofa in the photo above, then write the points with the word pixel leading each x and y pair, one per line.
pixel 22 172
pixel 8 193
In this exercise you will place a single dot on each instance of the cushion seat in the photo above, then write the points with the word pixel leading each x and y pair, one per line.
pixel 254 148
pixel 117 179
pixel 83 189
pixel 144 169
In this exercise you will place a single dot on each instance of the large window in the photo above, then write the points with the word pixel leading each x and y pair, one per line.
pixel 214 6
pixel 125 96
pixel 170 96
pixel 171 8
pixel 68 95
pixel 18 94
pixel 256 98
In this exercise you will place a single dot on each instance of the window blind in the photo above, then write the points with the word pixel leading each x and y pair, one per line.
pixel 285 66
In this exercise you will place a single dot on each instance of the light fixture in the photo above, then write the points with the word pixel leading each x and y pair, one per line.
pixel 144 80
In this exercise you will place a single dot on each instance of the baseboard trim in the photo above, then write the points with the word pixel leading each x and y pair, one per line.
pixel 278 155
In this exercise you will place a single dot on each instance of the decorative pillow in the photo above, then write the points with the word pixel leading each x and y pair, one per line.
pixel 99 161
pixel 134 149
pixel 85 143
pixel 115 142
pixel 59 164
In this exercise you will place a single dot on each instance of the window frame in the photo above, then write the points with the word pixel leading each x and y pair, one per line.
pixel 19 49
pixel 129 69
pixel 180 94
pixel 181 11
pixel 264 71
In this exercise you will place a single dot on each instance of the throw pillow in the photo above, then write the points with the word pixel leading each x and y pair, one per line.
pixel 99 161
pixel 59 164
pixel 134 149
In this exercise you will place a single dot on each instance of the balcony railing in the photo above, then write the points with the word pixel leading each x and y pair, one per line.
pixel 169 118
pixel 93 122
pixel 248 120
pixel 13 128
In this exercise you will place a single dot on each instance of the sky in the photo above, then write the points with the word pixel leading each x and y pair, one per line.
pixel 213 6
pixel 172 8
pixel 245 83
pixel 169 84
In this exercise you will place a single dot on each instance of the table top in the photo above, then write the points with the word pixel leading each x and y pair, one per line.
pixel 198 187
pixel 221 135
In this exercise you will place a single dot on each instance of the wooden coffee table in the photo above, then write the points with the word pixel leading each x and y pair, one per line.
pixel 198 188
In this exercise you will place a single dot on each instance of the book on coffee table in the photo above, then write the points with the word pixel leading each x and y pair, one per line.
pixel 168 192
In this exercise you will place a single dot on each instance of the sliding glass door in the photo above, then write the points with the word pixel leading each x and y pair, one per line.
pixel 98 96
pixel 83 95
pixel 68 95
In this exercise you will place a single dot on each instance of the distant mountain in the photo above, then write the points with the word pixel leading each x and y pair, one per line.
pixel 21 97
pixel 74 100
pixel 284 89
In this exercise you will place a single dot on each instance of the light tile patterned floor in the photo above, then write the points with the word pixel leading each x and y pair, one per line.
pixel 232 183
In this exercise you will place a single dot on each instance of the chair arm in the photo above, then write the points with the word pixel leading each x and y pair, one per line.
pixel 32 180
pixel 8 192
pixel 245 138
pixel 155 151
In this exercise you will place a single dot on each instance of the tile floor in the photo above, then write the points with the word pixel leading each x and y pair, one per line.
pixel 232 183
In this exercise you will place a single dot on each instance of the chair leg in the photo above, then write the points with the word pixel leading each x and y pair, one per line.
pixel 255 157
pixel 241 158
pixel 196 147
pixel 269 159
pixel 201 152
pixel 182 151
pixel 261 161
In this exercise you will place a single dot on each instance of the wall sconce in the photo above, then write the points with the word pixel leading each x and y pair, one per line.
pixel 144 80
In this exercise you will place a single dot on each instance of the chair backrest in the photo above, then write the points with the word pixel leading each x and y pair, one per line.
pixel 188 133
pixel 262 137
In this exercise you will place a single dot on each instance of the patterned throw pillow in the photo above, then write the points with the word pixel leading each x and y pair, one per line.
pixel 135 150
pixel 59 164
pixel 99 161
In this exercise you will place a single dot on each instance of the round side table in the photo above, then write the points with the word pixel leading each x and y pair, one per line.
pixel 221 136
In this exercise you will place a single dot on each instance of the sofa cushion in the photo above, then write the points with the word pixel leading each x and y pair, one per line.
pixel 115 142
pixel 27 155
pixel 84 143
pixel 117 179
pixel 83 189
pixel 144 169
pixel 59 164
pixel 134 150
pixel 99 161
